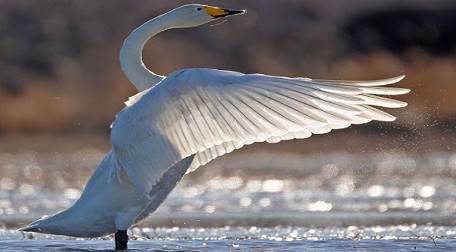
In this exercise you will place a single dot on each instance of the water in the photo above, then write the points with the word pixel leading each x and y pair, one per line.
pixel 261 201
pixel 392 238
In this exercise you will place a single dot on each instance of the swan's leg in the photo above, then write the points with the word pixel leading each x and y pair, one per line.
pixel 121 239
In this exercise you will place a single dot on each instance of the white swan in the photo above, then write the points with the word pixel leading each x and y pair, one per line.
pixel 178 123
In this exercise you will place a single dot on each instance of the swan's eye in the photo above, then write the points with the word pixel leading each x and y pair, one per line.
pixel 199 8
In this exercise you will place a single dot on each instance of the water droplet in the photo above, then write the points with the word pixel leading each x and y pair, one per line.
pixel 273 185
pixel 72 193
pixel 245 202
pixel 382 208
pixel 264 202
pixel 427 191
pixel 376 191
pixel 320 206
pixel 209 209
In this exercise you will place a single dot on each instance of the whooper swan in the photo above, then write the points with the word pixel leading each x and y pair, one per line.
pixel 177 123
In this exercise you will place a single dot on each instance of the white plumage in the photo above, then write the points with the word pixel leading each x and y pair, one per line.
pixel 178 123
pixel 208 113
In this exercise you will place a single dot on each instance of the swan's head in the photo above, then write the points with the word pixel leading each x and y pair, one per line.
pixel 192 15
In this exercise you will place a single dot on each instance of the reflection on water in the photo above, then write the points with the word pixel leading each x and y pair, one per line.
pixel 388 238
pixel 262 202
pixel 242 186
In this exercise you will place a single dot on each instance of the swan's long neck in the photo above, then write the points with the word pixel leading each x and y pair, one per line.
pixel 131 52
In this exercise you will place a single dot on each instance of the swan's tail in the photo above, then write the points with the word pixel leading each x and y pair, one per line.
pixel 47 224
pixel 66 223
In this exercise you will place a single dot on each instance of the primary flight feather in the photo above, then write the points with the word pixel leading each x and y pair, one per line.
pixel 208 113
pixel 177 123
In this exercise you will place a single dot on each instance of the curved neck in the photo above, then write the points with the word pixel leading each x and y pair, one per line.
pixel 131 53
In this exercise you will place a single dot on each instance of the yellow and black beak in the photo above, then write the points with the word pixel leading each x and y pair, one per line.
pixel 218 13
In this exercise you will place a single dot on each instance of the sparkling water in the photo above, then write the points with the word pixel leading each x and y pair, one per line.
pixel 261 201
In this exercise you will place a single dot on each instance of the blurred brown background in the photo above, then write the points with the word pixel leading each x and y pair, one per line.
pixel 60 75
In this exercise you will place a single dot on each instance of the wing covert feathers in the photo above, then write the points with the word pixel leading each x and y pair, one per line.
pixel 208 113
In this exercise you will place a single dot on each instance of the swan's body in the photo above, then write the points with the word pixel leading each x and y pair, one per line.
pixel 178 123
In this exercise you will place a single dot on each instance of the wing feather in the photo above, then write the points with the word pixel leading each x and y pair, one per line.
pixel 208 113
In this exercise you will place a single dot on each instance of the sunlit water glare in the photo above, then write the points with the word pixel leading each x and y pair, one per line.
pixel 264 201
pixel 389 238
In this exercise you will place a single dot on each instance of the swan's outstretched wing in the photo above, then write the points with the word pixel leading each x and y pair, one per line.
pixel 208 113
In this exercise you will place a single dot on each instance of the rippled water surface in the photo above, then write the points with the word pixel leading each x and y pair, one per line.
pixel 392 238
pixel 256 202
